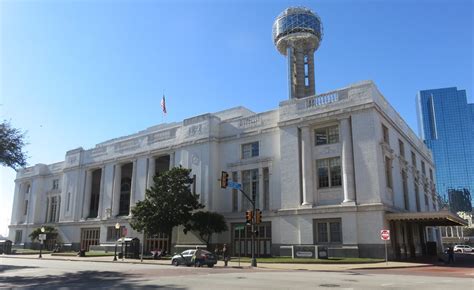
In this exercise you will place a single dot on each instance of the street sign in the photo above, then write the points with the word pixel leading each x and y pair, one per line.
pixel 42 237
pixel 239 227
pixel 234 185
pixel 385 235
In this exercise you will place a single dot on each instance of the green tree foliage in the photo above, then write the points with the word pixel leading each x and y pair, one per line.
pixel 206 223
pixel 50 232
pixel 167 204
pixel 11 144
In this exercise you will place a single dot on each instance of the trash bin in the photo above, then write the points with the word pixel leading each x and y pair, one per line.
pixel 5 247
pixel 131 248
pixel 322 252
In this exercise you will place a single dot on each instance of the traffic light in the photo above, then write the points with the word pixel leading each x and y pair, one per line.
pixel 248 217
pixel 224 179
pixel 258 217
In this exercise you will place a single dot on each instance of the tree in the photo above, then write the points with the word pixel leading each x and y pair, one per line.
pixel 11 144
pixel 206 223
pixel 50 232
pixel 168 203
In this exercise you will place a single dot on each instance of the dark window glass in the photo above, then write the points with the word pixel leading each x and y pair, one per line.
pixel 322 233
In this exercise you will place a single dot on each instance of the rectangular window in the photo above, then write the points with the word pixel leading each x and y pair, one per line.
pixel 388 172
pixel 25 209
pixel 55 183
pixel 28 188
pixel 426 202
pixel 423 168
pixel 18 236
pixel 266 189
pixel 54 206
pixel 250 186
pixel 405 190
pixel 327 231
pixel 329 172
pixel 327 135
pixel 250 150
pixel 113 234
pixel 386 137
pixel 235 194
pixel 402 148
pixel 417 197
pixel 413 159
pixel 431 174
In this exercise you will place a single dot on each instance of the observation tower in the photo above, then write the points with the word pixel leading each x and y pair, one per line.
pixel 297 33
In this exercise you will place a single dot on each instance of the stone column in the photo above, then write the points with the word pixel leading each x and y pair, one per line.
pixel 239 194
pixel 260 188
pixel 151 171
pixel 101 192
pixel 307 167
pixel 116 190
pixel 17 200
pixel 133 186
pixel 347 162
pixel 87 195
pixel 172 159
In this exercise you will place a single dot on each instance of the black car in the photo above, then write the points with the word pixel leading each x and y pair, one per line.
pixel 185 258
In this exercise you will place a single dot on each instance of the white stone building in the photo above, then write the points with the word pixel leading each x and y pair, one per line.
pixel 332 169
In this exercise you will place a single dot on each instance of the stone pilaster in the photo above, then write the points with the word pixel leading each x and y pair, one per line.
pixel 116 190
pixel 347 162
pixel 307 167
pixel 87 195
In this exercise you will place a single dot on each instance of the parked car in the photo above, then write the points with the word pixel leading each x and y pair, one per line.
pixel 185 258
pixel 462 249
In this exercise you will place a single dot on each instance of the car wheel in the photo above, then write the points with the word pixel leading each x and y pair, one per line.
pixel 458 251
pixel 175 262
pixel 210 265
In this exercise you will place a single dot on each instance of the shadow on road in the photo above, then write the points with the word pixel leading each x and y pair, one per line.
pixel 4 268
pixel 83 279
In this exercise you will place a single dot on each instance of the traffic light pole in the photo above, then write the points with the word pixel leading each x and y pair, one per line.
pixel 254 215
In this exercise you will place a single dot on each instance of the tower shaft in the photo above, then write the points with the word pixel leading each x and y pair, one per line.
pixel 300 71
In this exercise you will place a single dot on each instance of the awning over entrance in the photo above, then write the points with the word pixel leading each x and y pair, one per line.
pixel 429 218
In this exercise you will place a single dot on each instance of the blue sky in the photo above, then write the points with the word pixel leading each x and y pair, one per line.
pixel 76 73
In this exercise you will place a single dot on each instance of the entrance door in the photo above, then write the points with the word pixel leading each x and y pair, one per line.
pixel 242 240
pixel 89 237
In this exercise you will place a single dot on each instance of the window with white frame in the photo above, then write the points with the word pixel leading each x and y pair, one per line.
pixel 55 183
pixel 18 236
pixel 53 210
pixel 25 207
pixel 401 146
pixel 250 150
pixel 329 172
pixel 327 231
pixel 326 135
pixel 250 186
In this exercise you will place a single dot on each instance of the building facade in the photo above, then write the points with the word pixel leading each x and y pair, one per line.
pixel 330 170
pixel 446 124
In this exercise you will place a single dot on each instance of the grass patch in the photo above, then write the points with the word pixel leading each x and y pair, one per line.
pixel 289 260
pixel 88 254
pixel 29 252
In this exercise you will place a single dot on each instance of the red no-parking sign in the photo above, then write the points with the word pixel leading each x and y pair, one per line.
pixel 385 235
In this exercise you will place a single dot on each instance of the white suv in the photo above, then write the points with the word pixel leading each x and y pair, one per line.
pixel 462 249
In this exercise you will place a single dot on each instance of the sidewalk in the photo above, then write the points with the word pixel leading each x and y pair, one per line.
pixel 273 266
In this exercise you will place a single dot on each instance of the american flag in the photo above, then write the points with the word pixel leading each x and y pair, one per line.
pixel 163 104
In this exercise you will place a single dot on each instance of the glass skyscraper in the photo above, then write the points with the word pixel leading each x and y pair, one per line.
pixel 446 124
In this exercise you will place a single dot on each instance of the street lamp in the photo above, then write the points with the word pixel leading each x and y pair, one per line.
pixel 41 242
pixel 117 227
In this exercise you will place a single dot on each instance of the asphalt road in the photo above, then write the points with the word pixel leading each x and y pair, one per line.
pixel 51 274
